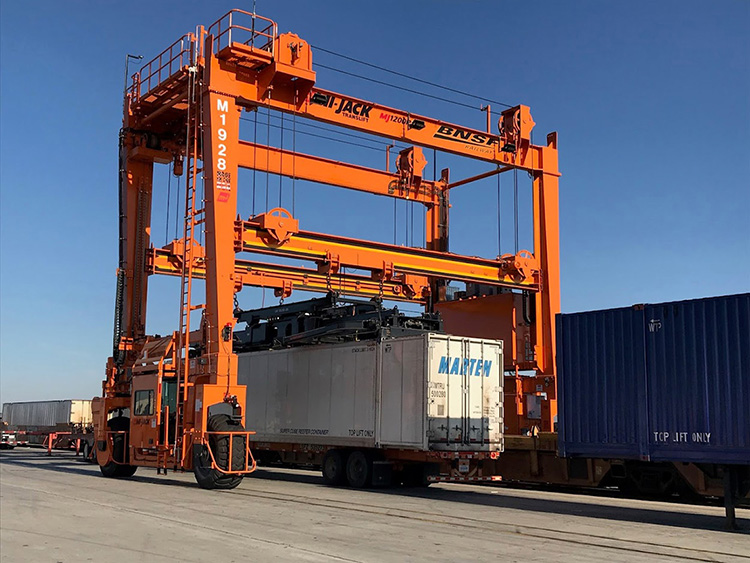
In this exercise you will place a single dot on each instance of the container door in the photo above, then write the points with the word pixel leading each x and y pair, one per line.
pixel 482 366
pixel 699 396
pixel 601 369
pixel 464 394
pixel 475 366
pixel 485 392
pixel 442 353
pixel 455 394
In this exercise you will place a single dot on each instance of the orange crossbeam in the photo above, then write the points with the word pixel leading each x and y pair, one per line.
pixel 317 169
pixel 283 279
pixel 262 235
pixel 376 119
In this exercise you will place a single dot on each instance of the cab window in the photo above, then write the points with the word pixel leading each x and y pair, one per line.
pixel 144 403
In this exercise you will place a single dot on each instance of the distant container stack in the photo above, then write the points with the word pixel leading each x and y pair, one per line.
pixel 42 416
pixel 664 382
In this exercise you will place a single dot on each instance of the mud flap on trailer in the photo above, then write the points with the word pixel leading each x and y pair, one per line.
pixel 382 473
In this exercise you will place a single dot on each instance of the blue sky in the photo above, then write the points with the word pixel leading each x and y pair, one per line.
pixel 651 101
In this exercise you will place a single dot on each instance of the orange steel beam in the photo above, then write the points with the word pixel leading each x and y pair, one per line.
pixel 221 126
pixel 344 175
pixel 283 279
pixel 286 83
pixel 481 176
pixel 277 233
pixel 547 250
pixel 399 125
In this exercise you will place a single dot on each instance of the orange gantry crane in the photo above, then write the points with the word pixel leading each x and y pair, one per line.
pixel 173 402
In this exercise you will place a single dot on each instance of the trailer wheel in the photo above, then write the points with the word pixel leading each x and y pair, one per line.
pixel 334 468
pixel 359 469
pixel 86 452
pixel 119 450
pixel 209 478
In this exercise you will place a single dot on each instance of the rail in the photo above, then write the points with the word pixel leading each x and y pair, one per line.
pixel 226 31
pixel 250 464
pixel 173 59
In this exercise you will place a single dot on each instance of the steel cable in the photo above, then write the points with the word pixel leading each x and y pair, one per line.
pixel 335 132
pixel 281 156
pixel 414 78
pixel 383 83
pixel 255 149
pixel 515 207
pixel 169 203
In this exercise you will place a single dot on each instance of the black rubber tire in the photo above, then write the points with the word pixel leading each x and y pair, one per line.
pixel 85 452
pixel 334 468
pixel 127 470
pixel 209 478
pixel 359 469
pixel 119 450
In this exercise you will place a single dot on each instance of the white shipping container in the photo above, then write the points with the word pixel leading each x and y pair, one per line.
pixel 47 414
pixel 426 392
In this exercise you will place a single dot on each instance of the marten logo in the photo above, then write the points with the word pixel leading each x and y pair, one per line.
pixel 464 136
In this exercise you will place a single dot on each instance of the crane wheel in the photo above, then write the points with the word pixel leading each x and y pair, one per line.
pixel 334 468
pixel 209 478
pixel 118 469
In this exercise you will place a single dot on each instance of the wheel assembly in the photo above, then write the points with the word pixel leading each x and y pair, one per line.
pixel 87 452
pixel 334 467
pixel 359 469
pixel 118 466
pixel 205 475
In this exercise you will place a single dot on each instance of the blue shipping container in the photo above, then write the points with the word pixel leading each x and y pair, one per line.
pixel 666 382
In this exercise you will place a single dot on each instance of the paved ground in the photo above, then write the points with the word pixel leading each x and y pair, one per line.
pixel 59 509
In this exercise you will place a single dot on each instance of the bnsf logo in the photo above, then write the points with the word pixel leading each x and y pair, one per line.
pixel 465 366
pixel 463 136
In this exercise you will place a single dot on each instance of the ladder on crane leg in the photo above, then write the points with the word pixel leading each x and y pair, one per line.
pixel 192 220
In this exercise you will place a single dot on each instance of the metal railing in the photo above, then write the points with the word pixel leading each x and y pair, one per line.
pixel 236 26
pixel 178 56
pixel 239 26
pixel 249 465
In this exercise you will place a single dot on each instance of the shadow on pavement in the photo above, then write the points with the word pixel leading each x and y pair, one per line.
pixel 600 507
pixel 64 462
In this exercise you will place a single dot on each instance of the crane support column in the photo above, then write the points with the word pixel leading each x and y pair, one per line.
pixel 136 221
pixel 220 145
pixel 547 251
